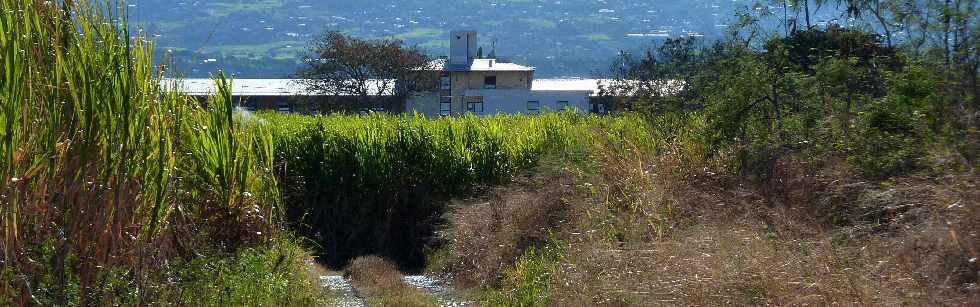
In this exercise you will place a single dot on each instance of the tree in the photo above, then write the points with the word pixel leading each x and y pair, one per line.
pixel 373 74
pixel 659 80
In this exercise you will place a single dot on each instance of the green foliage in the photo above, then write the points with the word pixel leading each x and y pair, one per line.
pixel 892 130
pixel 805 49
pixel 229 165
pixel 526 282
pixel 106 177
pixel 351 181
pixel 264 276
pixel 818 92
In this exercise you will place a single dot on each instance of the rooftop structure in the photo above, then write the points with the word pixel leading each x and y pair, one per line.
pixel 462 47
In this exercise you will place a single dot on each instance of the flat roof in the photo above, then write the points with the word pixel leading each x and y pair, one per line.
pixel 589 85
pixel 256 87
pixel 480 65
pixel 296 87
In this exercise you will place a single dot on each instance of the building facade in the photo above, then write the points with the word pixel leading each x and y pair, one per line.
pixel 468 84
pixel 486 86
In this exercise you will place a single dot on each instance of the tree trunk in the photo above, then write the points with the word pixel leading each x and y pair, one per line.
pixel 785 18
pixel 947 20
pixel 806 7
pixel 947 69
pixel 883 21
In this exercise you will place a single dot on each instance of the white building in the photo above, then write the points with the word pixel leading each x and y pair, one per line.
pixel 487 86
pixel 468 84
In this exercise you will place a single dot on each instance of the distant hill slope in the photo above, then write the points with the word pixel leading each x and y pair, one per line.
pixel 266 38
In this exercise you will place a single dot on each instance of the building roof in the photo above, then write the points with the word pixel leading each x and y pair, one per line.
pixel 480 65
pixel 589 85
pixel 256 87
pixel 297 87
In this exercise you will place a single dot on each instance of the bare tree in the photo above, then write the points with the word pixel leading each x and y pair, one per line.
pixel 369 74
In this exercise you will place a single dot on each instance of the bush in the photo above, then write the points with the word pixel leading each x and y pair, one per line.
pixel 525 283
pixel 489 234
pixel 380 282
pixel 891 131
pixel 263 276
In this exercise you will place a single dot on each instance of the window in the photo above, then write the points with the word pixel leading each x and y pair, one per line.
pixel 475 105
pixel 561 105
pixel 446 106
pixel 446 83
pixel 284 107
pixel 598 108
pixel 490 82
pixel 533 107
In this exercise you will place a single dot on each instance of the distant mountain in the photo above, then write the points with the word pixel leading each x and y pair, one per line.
pixel 266 38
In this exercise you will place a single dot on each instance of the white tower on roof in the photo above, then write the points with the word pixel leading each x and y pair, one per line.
pixel 462 47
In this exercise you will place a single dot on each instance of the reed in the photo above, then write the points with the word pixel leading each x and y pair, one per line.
pixel 377 184
pixel 111 182
pixel 104 174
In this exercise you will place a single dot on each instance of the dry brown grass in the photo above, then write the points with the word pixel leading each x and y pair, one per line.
pixel 489 234
pixel 381 284
pixel 663 232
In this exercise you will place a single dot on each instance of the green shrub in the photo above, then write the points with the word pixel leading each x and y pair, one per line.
pixel 262 276
pixel 886 143
pixel 526 282
pixel 891 131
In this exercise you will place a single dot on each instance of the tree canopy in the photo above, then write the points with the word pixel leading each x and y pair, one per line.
pixel 375 73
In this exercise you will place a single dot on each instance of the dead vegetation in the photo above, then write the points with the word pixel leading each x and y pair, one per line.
pixel 381 283
pixel 637 233
pixel 487 237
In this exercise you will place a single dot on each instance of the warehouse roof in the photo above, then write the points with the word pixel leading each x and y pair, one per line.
pixel 257 87
pixel 297 87
pixel 590 85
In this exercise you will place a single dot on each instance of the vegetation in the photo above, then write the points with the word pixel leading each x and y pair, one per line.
pixel 375 74
pixel 117 191
pixel 822 166
pixel 827 165
pixel 378 184
pixel 382 284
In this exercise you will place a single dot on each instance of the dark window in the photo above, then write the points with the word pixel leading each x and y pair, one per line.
pixel 598 108
pixel 284 107
pixel 490 82
pixel 475 106
pixel 561 105
pixel 446 106
pixel 446 83
pixel 533 107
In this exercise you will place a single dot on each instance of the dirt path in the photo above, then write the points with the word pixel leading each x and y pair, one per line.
pixel 344 292
pixel 442 293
